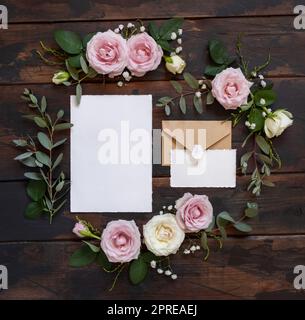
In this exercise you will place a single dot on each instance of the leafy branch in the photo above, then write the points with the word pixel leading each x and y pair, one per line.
pixel 46 188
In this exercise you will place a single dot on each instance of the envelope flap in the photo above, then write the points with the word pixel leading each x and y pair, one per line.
pixel 215 130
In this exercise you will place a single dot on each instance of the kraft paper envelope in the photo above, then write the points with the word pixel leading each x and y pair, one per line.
pixel 111 154
pixel 208 134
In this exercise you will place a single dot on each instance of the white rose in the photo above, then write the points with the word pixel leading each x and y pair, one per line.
pixel 175 64
pixel 162 235
pixel 277 122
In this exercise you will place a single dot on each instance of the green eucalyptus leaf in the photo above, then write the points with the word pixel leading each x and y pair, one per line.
pixel 59 143
pixel 44 140
pixel 63 126
pixel 60 114
pixel 167 110
pixel 263 144
pixel 223 219
pixel 164 44
pixel 72 71
pixel 23 156
pixel 40 122
pixel 138 271
pixel 268 183
pixel 198 104
pixel 190 80
pixel 33 210
pixel 68 41
pixel 60 185
pixel 204 241
pixel 84 65
pixel 182 104
pixel 243 227
pixel 57 161
pixel 36 189
pixel 78 93
pixel 82 257
pixel 177 86
pixel 33 175
pixel 29 162
pixel 20 142
pixel 93 247
pixel 210 98
pixel 43 104
pixel 43 158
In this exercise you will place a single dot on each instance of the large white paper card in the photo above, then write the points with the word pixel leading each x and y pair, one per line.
pixel 216 168
pixel 111 154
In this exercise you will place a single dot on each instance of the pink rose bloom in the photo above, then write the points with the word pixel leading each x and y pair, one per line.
pixel 231 88
pixel 107 53
pixel 144 54
pixel 194 213
pixel 121 241
pixel 78 228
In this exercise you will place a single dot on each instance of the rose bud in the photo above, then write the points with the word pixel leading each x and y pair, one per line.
pixel 175 64
pixel 60 77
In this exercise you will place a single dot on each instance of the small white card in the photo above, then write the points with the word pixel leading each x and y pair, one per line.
pixel 111 154
pixel 216 169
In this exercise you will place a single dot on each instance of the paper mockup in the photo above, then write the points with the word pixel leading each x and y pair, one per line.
pixel 111 154
pixel 215 169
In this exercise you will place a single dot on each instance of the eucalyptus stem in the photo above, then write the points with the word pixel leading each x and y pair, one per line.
pixel 116 277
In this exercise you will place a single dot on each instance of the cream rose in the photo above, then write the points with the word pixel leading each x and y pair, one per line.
pixel 162 235
pixel 175 64
pixel 277 122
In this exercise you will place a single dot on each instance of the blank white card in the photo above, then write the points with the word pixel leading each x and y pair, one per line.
pixel 111 154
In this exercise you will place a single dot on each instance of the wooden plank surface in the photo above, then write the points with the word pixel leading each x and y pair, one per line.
pixel 255 267
pixel 86 10
pixel 259 266
pixel 19 62
pixel 281 211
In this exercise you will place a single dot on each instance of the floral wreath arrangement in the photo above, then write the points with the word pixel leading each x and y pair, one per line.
pixel 190 223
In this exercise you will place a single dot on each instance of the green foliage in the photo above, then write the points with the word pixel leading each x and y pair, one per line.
pixel 138 271
pixel 82 257
pixel 45 188
pixel 68 41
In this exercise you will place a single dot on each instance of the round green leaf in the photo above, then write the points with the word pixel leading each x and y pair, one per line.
pixel 218 52
pixel 251 212
pixel 82 257
pixel 43 158
pixel 33 210
pixel 138 271
pixel 68 41
pixel 74 61
pixel 268 95
pixel 87 38
pixel 44 140
pixel 102 261
pixel 36 189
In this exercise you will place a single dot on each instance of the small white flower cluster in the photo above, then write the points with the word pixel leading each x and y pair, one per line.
pixel 192 249
pixel 166 272
pixel 261 77
pixel 129 26
pixel 169 208
pixel 119 28
pixel 250 125
pixel 174 36
pixel 126 75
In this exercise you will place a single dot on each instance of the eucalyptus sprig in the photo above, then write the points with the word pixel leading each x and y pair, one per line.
pixel 48 185
pixel 197 88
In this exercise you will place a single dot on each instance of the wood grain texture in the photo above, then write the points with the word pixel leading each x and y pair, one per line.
pixel 19 62
pixel 251 268
pixel 74 10
pixel 281 209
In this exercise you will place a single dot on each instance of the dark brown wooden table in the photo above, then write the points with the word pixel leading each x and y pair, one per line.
pixel 259 266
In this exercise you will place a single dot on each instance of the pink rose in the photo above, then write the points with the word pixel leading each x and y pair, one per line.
pixel 231 88
pixel 121 241
pixel 107 53
pixel 144 54
pixel 194 213
pixel 80 230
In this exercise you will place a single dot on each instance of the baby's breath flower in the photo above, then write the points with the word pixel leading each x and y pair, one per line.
pixel 161 212
pixel 262 101
pixel 180 31
pixel 247 124
pixel 121 26
pixel 200 81
pixel 167 272
pixel 264 114
pixel 153 264
pixel 173 36
pixel 117 30
pixel 197 247
pixel 263 83
pixel 252 126
pixel 142 28
pixel 204 86
pixel 261 76
pixel 174 276
pixel 130 25
pixel 120 84
pixel 193 248
pixel 254 74
pixel 198 94
pixel 179 41
pixel 160 271
pixel 170 207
